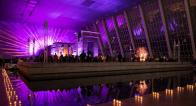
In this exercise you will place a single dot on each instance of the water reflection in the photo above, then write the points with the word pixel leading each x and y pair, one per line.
pixel 155 95
pixel 101 93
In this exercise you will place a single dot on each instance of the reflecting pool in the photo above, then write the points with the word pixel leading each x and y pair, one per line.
pixel 104 92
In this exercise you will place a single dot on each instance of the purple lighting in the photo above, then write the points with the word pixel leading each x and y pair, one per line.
pixel 137 31
pixel 121 20
pixel 17 39
pixel 103 33
pixel 173 25
pixel 110 24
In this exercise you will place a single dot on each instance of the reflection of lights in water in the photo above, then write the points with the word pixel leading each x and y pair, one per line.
pixel 155 95
pixel 142 53
pixel 11 93
pixel 139 99
pixel 180 89
pixel 116 102
pixel 169 92
pixel 19 103
pixel 130 83
pixel 190 87
pixel 142 87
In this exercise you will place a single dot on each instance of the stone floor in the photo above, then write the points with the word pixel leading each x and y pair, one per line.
pixel 186 98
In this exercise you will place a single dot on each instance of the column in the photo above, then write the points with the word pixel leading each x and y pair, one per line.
pixel 129 29
pixel 46 42
pixel 118 35
pixel 146 31
pixel 190 27
pixel 109 42
pixel 99 39
pixel 165 28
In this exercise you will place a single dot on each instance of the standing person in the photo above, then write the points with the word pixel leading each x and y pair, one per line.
pixel 61 58
pixel 119 57
pixel 55 58
pixel 82 56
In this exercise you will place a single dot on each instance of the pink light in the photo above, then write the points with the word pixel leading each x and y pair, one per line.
pixel 142 87
pixel 14 38
pixel 142 53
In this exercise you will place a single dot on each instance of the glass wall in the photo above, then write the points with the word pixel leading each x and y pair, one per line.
pixel 155 28
pixel 137 28
pixel 124 35
pixel 193 19
pixel 104 39
pixel 112 36
pixel 176 23
pixel 178 28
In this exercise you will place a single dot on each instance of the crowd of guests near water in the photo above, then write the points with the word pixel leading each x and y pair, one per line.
pixel 88 57
pixel 83 58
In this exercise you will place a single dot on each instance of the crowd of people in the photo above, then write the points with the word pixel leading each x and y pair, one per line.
pixel 83 57
pixel 88 57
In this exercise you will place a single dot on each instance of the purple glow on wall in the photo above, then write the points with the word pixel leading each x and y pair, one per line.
pixel 137 31
pixel 162 29
pixel 173 25
pixel 120 20
pixel 17 39
pixel 103 33
pixel 110 24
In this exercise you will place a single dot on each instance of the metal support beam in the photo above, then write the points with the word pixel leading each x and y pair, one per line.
pixel 190 27
pixel 99 39
pixel 146 31
pixel 165 28
pixel 107 34
pixel 118 35
pixel 129 29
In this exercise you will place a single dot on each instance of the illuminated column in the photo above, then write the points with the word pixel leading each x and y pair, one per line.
pixel 107 33
pixel 146 31
pixel 46 42
pixel 118 36
pixel 33 48
pixel 165 28
pixel 190 27
pixel 99 39
pixel 29 53
pixel 129 29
